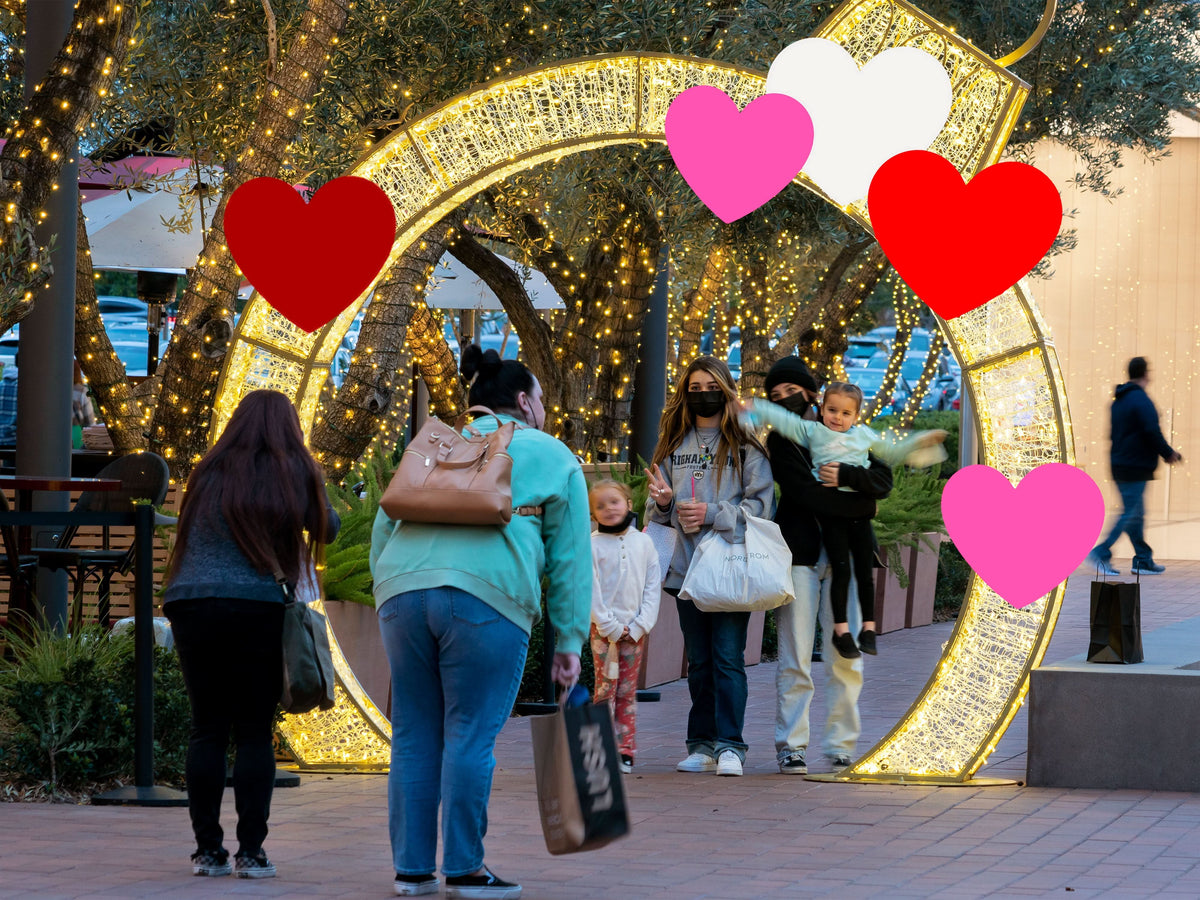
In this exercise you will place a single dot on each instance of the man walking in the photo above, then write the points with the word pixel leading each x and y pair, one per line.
pixel 1137 442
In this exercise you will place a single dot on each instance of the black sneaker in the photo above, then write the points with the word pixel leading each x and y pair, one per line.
pixel 486 886
pixel 839 762
pixel 793 764
pixel 415 885
pixel 626 763
pixel 866 642
pixel 844 644
pixel 211 863
pixel 254 866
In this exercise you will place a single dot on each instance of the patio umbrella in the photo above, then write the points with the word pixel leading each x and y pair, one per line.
pixel 128 229
pixel 454 286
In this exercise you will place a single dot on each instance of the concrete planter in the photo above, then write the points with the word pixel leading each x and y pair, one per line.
pixel 891 600
pixel 663 660
pixel 922 584
pixel 357 630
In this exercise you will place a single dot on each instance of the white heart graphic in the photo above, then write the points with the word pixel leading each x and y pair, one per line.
pixel 861 118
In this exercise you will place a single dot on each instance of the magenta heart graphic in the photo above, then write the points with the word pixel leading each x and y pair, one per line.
pixel 1024 540
pixel 735 160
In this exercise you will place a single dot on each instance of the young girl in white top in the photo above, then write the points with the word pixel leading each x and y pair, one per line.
pixel 625 588
pixel 837 438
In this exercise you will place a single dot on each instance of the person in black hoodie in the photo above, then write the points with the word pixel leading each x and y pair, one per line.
pixel 1137 443
pixel 792 386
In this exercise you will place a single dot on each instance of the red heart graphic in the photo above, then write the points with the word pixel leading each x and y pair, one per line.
pixel 310 260
pixel 959 245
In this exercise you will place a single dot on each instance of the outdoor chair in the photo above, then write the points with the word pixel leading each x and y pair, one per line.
pixel 143 476
pixel 21 570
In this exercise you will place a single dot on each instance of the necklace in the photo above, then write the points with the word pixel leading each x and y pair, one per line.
pixel 706 456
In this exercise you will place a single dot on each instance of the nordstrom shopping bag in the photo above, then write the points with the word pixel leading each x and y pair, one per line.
pixel 725 577
pixel 580 795
pixel 1116 623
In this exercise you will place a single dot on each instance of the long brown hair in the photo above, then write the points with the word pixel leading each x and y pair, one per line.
pixel 677 419
pixel 266 485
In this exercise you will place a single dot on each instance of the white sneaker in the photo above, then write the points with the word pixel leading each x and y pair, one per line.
pixel 728 763
pixel 696 762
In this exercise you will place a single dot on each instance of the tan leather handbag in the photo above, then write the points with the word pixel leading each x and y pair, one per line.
pixel 446 478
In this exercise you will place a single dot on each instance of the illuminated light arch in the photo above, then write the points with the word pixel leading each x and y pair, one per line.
pixel 1008 361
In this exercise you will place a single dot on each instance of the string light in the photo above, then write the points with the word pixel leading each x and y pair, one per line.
pixel 479 139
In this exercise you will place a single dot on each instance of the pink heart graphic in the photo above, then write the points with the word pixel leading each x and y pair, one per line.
pixel 737 161
pixel 1023 541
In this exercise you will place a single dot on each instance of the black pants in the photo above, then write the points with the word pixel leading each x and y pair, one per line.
pixel 846 540
pixel 231 654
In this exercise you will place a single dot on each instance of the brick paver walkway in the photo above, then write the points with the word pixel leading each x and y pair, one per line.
pixel 763 835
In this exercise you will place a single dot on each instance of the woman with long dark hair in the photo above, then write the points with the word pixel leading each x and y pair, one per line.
pixel 708 474
pixel 456 604
pixel 255 510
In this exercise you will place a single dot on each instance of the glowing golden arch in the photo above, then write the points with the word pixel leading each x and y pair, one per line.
pixel 1009 363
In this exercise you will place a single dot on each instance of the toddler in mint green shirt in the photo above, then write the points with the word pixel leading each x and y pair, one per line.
pixel 837 438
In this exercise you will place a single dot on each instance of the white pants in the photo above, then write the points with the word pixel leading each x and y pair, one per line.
pixel 796 624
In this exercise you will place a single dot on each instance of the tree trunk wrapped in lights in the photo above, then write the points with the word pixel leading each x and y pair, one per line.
pixel 601 323
pixel 809 314
pixel 535 333
pixel 351 419
pixel 698 302
pixel 119 409
pixel 192 364
pixel 636 244
pixel 822 336
pixel 756 326
pixel 928 374
pixel 882 404
pixel 45 134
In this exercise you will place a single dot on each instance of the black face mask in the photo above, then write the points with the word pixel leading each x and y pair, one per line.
pixel 795 403
pixel 703 404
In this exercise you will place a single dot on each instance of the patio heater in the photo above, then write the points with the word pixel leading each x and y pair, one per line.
pixel 156 290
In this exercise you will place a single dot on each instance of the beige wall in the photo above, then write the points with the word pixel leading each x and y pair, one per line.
pixel 1130 288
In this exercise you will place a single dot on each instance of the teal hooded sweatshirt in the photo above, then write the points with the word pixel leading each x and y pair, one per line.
pixel 503 565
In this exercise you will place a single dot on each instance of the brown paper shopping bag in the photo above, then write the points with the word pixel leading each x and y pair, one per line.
pixel 580 794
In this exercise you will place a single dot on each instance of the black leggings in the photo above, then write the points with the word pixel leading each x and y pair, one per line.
pixel 231 654
pixel 847 539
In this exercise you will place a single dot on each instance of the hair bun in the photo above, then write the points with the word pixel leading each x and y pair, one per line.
pixel 476 361
pixel 491 362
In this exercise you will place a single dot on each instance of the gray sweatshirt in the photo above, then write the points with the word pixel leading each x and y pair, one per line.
pixel 728 505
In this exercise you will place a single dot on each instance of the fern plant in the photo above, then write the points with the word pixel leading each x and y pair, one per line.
pixel 347 574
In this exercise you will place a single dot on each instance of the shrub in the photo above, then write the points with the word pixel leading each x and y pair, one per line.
pixel 61 694
pixel 70 702
pixel 953 577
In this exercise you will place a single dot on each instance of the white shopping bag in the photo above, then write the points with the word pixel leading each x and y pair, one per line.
pixel 725 577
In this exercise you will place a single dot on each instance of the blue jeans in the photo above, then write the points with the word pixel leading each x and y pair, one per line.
pixel 456 666
pixel 796 624
pixel 1131 522
pixel 716 657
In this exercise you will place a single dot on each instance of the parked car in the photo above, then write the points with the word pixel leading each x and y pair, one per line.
pixel 734 359
pixel 133 354
pixel 920 340
pixel 871 380
pixel 130 307
pixel 861 349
